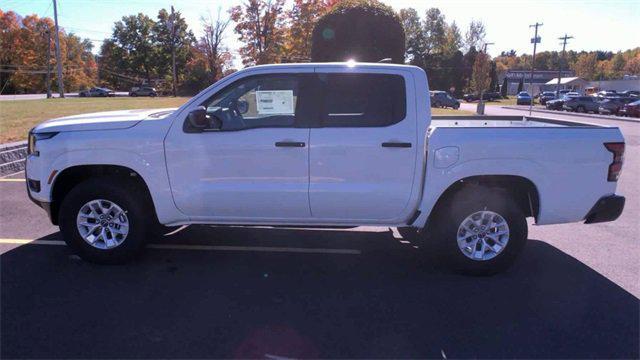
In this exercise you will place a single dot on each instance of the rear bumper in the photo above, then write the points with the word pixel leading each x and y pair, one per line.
pixel 608 208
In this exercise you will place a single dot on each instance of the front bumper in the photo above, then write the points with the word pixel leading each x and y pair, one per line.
pixel 608 208
pixel 45 205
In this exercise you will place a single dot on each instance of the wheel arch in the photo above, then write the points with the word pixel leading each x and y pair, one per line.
pixel 70 177
pixel 523 190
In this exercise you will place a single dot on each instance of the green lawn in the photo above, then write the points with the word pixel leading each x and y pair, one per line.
pixel 18 116
pixel 449 112
pixel 510 101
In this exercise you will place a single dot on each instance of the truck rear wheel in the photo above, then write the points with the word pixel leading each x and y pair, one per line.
pixel 103 221
pixel 480 231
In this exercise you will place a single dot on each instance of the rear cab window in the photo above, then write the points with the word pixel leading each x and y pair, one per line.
pixel 362 99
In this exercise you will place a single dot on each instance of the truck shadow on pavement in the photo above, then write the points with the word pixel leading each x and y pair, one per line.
pixel 385 302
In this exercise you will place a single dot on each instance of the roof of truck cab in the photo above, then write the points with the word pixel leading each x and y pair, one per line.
pixel 337 65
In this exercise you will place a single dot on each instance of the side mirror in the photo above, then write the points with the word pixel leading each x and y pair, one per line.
pixel 198 121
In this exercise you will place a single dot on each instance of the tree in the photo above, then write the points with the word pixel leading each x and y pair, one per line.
pixel 210 44
pixel 134 40
pixel 302 18
pixel 504 88
pixel 617 65
pixel 481 77
pixel 475 36
pixel 453 40
pixel 633 66
pixel 260 26
pixel 23 60
pixel 468 61
pixel 586 66
pixel 414 37
pixel 435 32
pixel 171 34
pixel 363 30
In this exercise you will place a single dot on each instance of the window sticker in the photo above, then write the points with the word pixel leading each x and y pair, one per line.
pixel 275 102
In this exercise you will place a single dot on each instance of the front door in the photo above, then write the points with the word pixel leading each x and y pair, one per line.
pixel 256 166
pixel 363 151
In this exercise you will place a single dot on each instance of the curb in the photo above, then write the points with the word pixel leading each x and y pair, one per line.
pixel 616 118
pixel 12 157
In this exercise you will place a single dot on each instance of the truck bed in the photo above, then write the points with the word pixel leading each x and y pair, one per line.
pixel 566 161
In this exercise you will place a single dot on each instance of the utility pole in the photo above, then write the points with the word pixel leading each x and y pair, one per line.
pixel 172 19
pixel 535 42
pixel 58 59
pixel 564 45
pixel 480 109
pixel 48 79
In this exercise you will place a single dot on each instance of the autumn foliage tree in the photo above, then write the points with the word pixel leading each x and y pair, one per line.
pixel 23 59
pixel 481 76
pixel 301 19
pixel 363 30
pixel 260 25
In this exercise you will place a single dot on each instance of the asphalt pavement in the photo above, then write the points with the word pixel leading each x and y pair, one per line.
pixel 286 293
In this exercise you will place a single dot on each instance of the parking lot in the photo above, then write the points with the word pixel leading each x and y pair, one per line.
pixel 364 292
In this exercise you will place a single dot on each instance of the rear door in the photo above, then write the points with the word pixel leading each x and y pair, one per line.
pixel 363 150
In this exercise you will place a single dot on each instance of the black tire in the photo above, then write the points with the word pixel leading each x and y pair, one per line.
pixel 456 106
pixel 119 192
pixel 465 202
pixel 580 109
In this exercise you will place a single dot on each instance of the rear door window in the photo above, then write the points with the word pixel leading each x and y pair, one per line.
pixel 362 100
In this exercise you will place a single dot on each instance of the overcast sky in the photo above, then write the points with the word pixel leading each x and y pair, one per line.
pixel 596 25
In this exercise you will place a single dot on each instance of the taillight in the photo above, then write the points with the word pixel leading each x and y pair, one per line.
pixel 617 149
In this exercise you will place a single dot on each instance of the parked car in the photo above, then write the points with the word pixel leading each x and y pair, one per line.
pixel 488 96
pixel 582 104
pixel 611 106
pixel 606 94
pixel 443 99
pixel 97 92
pixel 630 93
pixel 631 109
pixel 563 92
pixel 546 96
pixel 523 98
pixel 557 104
pixel 108 179
pixel 143 91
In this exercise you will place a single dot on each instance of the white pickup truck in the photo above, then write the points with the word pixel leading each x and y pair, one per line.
pixel 310 145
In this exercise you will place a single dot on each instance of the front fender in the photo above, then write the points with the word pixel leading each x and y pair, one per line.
pixel 152 170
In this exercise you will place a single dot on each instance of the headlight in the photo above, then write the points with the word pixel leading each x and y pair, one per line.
pixel 33 139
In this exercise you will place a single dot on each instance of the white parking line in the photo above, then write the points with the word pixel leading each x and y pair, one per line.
pixel 12 180
pixel 205 247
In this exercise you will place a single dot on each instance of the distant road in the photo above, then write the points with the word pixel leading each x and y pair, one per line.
pixel 44 96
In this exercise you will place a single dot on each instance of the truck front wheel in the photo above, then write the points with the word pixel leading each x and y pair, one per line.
pixel 480 230
pixel 103 221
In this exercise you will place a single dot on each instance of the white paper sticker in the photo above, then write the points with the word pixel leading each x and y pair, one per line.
pixel 275 102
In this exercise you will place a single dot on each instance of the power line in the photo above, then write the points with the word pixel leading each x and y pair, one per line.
pixel 58 57
pixel 564 45
pixel 535 42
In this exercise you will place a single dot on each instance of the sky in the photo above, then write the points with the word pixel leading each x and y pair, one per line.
pixel 595 24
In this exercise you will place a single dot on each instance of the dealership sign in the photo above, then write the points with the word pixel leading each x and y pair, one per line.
pixel 538 75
